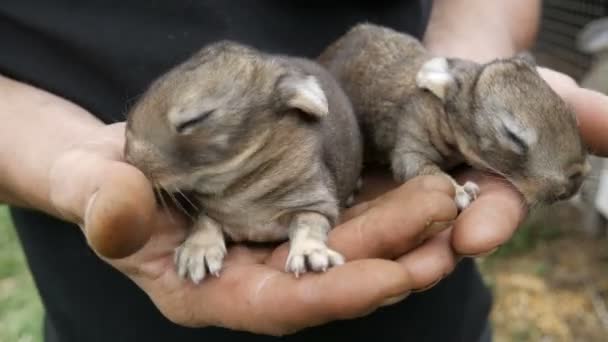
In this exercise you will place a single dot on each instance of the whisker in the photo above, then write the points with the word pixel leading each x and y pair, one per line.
pixel 164 206
pixel 525 207
pixel 181 193
pixel 179 205
pixel 158 194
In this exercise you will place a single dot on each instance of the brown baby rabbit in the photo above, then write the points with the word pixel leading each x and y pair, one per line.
pixel 267 146
pixel 425 115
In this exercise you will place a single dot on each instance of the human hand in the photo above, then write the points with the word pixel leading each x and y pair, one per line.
pixel 115 206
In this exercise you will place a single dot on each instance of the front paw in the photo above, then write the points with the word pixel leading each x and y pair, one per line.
pixel 466 194
pixel 195 259
pixel 311 255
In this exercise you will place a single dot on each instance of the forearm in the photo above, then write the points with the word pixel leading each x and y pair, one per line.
pixel 480 29
pixel 36 128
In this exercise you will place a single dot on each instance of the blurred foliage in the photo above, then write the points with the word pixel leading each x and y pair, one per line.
pixel 526 238
pixel 20 308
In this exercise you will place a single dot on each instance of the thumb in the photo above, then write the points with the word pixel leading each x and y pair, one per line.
pixel 591 109
pixel 112 201
pixel 118 216
pixel 592 112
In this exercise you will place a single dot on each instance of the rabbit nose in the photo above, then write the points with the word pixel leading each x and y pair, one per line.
pixel 570 187
pixel 575 179
pixel 563 194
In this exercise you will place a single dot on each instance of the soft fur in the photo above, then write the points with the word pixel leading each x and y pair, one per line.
pixel 268 145
pixel 425 114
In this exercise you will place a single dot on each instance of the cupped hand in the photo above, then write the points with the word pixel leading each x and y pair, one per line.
pixel 381 238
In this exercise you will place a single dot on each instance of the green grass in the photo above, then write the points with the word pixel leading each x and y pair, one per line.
pixel 20 308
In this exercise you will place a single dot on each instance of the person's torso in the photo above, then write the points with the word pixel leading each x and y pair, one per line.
pixel 103 54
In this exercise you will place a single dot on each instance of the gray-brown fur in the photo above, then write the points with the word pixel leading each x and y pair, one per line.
pixel 467 112
pixel 258 160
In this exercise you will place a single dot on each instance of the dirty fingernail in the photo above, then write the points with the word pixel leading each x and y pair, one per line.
pixel 87 211
pixel 435 227
pixel 428 287
pixel 395 300
pixel 484 254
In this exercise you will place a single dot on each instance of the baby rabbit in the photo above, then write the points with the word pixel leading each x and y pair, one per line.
pixel 424 115
pixel 267 145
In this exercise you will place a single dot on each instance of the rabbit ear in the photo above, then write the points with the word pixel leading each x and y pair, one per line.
pixel 593 38
pixel 527 58
pixel 304 93
pixel 435 75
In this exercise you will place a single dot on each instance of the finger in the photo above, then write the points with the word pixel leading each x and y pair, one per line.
pixel 273 302
pixel 111 200
pixel 121 212
pixel 592 113
pixel 431 262
pixel 325 297
pixel 395 222
pixel 376 181
pixel 590 106
pixel 109 143
pixel 76 175
pixel 381 188
pixel 356 210
pixel 490 220
pixel 560 82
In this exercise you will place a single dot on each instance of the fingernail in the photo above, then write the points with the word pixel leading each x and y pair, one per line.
pixel 428 287
pixel 395 300
pixel 433 228
pixel 481 255
pixel 87 210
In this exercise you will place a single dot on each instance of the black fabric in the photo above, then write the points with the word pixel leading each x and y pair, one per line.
pixel 102 54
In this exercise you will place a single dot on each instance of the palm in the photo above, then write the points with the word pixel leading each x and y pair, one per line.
pixel 253 292
pixel 115 205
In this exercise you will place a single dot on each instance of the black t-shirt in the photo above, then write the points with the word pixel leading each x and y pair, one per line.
pixel 102 54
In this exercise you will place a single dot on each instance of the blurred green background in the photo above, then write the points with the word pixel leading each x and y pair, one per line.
pixel 20 308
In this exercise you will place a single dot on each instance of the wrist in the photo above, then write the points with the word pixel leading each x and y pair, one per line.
pixel 480 44
pixel 476 51
pixel 481 30
pixel 38 128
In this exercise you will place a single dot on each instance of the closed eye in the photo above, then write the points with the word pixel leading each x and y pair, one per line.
pixel 186 125
pixel 521 144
